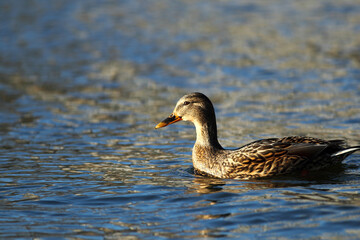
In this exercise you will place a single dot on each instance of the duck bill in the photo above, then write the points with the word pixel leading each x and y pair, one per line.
pixel 170 120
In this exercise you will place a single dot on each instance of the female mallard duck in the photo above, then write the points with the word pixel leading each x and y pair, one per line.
pixel 262 158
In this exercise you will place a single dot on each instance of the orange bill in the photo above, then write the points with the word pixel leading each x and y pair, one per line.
pixel 170 120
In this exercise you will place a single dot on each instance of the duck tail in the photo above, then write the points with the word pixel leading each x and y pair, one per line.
pixel 346 151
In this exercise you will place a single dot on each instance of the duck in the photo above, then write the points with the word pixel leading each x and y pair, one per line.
pixel 261 158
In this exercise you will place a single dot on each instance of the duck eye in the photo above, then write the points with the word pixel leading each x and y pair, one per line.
pixel 186 103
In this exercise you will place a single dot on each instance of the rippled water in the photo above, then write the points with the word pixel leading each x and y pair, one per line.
pixel 83 83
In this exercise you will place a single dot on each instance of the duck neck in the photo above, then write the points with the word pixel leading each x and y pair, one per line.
pixel 206 135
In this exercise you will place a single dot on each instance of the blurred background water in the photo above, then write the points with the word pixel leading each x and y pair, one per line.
pixel 83 83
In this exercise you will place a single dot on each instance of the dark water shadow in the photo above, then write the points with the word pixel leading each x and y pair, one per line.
pixel 332 175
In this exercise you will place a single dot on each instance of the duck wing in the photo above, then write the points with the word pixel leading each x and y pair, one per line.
pixel 274 156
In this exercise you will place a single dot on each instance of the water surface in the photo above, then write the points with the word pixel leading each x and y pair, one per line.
pixel 83 83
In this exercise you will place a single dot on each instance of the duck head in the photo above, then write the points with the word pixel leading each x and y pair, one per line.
pixel 193 107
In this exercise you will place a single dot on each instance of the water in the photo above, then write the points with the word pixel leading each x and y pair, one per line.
pixel 83 83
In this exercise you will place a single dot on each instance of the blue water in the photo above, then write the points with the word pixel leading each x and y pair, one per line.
pixel 83 83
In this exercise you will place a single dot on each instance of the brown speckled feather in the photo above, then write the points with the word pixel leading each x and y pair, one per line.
pixel 262 158
pixel 270 157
